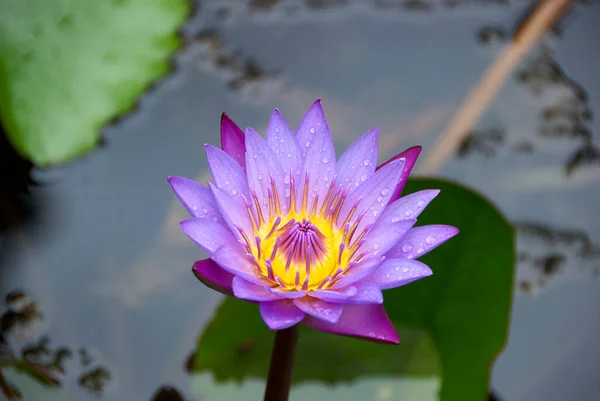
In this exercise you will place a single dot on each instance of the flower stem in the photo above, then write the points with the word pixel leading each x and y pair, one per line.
pixel 282 365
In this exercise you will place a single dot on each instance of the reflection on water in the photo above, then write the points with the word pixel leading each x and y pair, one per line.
pixel 108 267
pixel 29 350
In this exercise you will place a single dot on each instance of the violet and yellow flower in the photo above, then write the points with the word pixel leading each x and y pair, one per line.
pixel 308 238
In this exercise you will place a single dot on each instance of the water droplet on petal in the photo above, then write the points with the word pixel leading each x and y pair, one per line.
pixel 420 203
pixel 379 198
pixel 405 270
pixel 233 191
pixel 395 219
pixel 363 178
pixel 312 130
pixel 408 212
pixel 406 248
pixel 276 130
pixel 286 179
pixel 195 208
pixel 420 251
pixel 388 275
pixel 289 155
pixel 281 140
pixel 325 160
pixel 430 240
pixel 260 177
pixel 307 144
pixel 384 192
pixel 366 162
pixel 215 218
pixel 205 210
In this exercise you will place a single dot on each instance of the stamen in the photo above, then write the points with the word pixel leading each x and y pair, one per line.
pixel 305 193
pixel 324 283
pixel 332 205
pixel 302 243
pixel 337 273
pixel 305 285
pixel 352 211
pixel 328 196
pixel 269 266
pixel 271 206
pixel 275 196
pixel 353 228
pixel 250 213
pixel 292 192
pixel 342 246
pixel 361 236
pixel 252 259
pixel 274 253
pixel 275 225
pixel 280 282
pixel 338 209
pixel 245 237
pixel 257 238
pixel 261 220
pixel 313 211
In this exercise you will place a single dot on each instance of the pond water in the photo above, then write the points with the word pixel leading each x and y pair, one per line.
pixel 100 252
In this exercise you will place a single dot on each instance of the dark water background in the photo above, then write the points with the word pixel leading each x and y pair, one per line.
pixel 97 247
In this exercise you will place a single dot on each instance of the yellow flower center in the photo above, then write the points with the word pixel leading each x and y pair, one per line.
pixel 304 249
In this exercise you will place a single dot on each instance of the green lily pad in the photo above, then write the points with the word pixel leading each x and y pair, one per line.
pixel 237 345
pixel 458 317
pixel 67 68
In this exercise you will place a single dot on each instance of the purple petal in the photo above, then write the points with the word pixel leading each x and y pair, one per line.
pixel 420 240
pixel 327 311
pixel 410 156
pixel 368 322
pixel 279 315
pixel 372 196
pixel 284 143
pixel 262 165
pixel 238 264
pixel 397 272
pixel 208 234
pixel 359 271
pixel 287 294
pixel 227 174
pixel 409 206
pixel 366 293
pixel 312 125
pixel 384 235
pixel 358 162
pixel 232 140
pixel 335 296
pixel 196 198
pixel 316 142
pixel 213 276
pixel 251 292
pixel 233 212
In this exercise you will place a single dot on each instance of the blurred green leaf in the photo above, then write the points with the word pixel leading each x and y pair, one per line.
pixel 237 345
pixel 460 313
pixel 69 67
pixel 465 305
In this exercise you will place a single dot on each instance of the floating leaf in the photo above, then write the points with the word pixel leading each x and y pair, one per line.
pixel 67 68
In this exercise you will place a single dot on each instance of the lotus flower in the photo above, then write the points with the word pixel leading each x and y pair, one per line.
pixel 308 238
